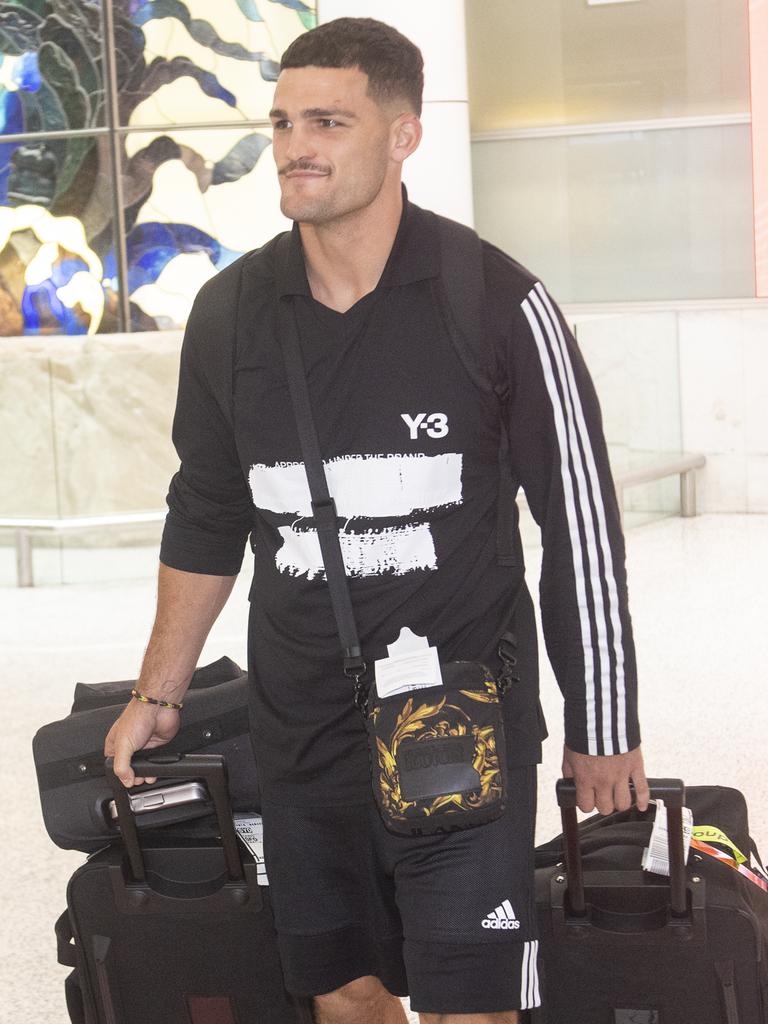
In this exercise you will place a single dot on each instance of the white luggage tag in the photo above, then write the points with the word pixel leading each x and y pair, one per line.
pixel 656 854
pixel 412 665
pixel 251 831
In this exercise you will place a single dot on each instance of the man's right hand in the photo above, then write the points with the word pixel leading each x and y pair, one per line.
pixel 139 727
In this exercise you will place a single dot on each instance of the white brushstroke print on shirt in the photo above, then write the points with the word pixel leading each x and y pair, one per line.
pixel 383 487
pixel 396 549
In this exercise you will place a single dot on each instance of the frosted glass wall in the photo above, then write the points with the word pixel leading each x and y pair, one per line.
pixel 626 215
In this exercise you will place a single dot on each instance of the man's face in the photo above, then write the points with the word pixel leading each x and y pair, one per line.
pixel 331 143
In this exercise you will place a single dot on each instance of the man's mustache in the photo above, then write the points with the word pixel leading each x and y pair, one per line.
pixel 303 165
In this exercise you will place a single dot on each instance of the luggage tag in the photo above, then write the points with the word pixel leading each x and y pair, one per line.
pixel 411 665
pixel 656 854
pixel 250 828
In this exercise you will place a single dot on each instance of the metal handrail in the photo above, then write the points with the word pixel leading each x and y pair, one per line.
pixel 25 527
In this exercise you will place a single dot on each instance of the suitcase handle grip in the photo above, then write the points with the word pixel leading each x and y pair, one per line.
pixel 209 767
pixel 672 792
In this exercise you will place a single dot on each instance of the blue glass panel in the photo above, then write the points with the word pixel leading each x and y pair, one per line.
pixel 51 267
pixel 54 51
pixel 249 9
pixel 151 247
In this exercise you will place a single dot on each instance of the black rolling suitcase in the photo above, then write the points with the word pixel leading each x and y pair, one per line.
pixel 173 934
pixel 619 945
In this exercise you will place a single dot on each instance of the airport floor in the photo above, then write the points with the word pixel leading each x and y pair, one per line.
pixel 699 597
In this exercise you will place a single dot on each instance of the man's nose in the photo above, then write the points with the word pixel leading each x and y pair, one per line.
pixel 298 144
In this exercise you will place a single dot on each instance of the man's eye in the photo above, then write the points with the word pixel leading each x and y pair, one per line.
pixel 328 122
pixel 280 125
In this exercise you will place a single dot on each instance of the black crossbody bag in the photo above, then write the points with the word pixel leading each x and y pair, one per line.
pixel 437 754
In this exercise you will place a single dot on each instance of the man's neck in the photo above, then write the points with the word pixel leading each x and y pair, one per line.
pixel 345 259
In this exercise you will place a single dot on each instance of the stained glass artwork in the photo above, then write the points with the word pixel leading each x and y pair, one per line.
pixel 51 76
pixel 215 197
pixel 193 200
pixel 226 71
pixel 53 245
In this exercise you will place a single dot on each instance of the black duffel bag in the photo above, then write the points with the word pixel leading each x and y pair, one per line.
pixel 69 758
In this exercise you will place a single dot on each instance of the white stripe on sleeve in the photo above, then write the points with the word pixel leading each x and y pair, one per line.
pixel 622 744
pixel 572 518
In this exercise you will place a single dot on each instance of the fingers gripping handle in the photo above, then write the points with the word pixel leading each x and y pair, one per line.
pixel 211 768
pixel 672 792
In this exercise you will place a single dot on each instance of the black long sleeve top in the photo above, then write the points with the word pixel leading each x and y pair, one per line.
pixel 411 448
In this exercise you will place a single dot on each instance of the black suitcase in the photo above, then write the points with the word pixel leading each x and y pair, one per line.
pixel 173 934
pixel 621 946
pixel 69 756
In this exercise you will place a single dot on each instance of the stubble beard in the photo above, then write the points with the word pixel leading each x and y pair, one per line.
pixel 336 206
pixel 324 210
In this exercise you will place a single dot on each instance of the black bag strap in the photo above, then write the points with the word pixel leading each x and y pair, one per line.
pixel 459 295
pixel 757 859
pixel 65 945
pixel 323 506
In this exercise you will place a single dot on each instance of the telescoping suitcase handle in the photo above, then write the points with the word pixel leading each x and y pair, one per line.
pixel 672 792
pixel 211 768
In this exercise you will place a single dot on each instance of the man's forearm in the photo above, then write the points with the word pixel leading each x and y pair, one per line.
pixel 188 604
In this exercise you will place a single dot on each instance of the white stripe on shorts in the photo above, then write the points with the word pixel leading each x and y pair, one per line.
pixel 529 986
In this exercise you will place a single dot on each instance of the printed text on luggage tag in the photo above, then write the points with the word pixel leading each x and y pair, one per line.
pixel 251 831
pixel 412 665
pixel 656 854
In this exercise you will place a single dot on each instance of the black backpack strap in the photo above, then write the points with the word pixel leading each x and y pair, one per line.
pixel 460 296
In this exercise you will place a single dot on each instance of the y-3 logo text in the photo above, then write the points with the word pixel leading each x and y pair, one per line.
pixel 435 423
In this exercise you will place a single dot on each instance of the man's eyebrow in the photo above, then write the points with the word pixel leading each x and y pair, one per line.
pixel 315 112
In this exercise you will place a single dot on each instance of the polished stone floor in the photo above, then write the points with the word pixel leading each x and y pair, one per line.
pixel 699 594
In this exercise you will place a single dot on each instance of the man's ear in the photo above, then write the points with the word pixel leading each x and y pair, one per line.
pixel 406 136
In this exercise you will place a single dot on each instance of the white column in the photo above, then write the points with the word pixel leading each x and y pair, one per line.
pixel 439 175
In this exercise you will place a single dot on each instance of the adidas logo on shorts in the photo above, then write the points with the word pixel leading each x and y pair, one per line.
pixel 502 917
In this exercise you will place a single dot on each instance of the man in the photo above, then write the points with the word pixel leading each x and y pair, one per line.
pixel 411 451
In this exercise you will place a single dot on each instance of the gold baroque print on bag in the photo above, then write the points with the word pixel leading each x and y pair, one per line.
pixel 418 739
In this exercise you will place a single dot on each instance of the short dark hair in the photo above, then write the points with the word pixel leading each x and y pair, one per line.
pixel 394 65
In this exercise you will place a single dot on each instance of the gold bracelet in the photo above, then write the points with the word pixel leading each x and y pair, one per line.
pixel 143 699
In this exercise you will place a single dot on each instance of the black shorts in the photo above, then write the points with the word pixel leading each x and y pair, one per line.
pixel 449 920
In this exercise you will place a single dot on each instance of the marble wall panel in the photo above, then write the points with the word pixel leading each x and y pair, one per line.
pixel 113 400
pixel 712 381
pixel 602 345
pixel 757 483
pixel 86 423
pixel 653 381
pixel 633 359
pixel 755 333
pixel 27 464
pixel 722 486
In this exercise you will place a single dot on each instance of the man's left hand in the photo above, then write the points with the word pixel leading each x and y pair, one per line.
pixel 603 782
